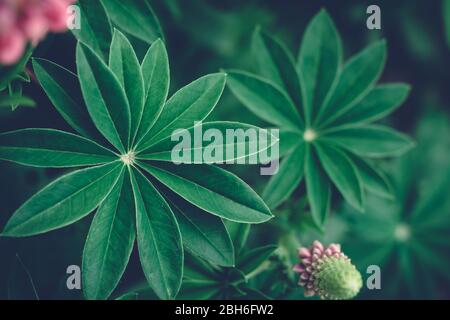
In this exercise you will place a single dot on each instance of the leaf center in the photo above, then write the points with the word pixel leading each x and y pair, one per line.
pixel 402 232
pixel 309 135
pixel 128 158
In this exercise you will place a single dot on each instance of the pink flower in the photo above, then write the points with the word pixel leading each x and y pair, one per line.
pixel 23 21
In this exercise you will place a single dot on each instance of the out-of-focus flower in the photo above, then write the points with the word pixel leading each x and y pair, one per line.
pixel 327 272
pixel 23 21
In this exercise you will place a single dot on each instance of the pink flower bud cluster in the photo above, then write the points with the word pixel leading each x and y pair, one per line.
pixel 24 21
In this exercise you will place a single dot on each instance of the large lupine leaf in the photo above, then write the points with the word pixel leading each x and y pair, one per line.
pixel 276 63
pixel 212 189
pixel 290 173
pixel 155 69
pixel 242 148
pixel 64 201
pixel 105 98
pixel 203 234
pixel 356 79
pixel 135 17
pixel 110 242
pixel 371 141
pixel 125 65
pixel 342 172
pixel 95 29
pixel 158 237
pixel 63 89
pixel 51 148
pixel 264 99
pixel 191 103
pixel 319 61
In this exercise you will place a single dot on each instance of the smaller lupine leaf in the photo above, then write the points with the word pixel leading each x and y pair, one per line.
pixel 95 30
pixel 63 89
pixel 371 141
pixel 64 201
pixel 264 99
pixel 198 269
pixel 380 102
pixel 125 65
pixel 277 64
pixel 51 149
pixel 252 259
pixel 318 187
pixel 135 17
pixel 319 60
pixel 109 242
pixel 7 73
pixel 216 151
pixel 212 189
pixel 191 103
pixel 372 178
pixel 158 238
pixel 355 81
pixel 199 290
pixel 156 73
pixel 342 172
pixel 284 182
pixel 239 234
pixel 14 101
pixel 105 98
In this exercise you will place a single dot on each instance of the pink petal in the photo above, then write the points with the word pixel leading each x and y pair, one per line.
pixel 304 253
pixel 12 46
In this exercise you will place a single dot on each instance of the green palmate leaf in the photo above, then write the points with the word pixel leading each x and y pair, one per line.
pixel 110 242
pixel 203 234
pixel 371 141
pixel 212 189
pixel 63 89
pixel 224 142
pixel 289 140
pixel 356 79
pixel 64 201
pixel 51 148
pixel 380 102
pixel 105 98
pixel 16 100
pixel 251 260
pixel 281 185
pixel 95 29
pixel 276 63
pixel 372 179
pixel 155 69
pixel 239 234
pixel 125 65
pixel 342 172
pixel 198 269
pixel 192 103
pixel 7 73
pixel 159 239
pixel 318 187
pixel 264 99
pixel 319 61
pixel 135 17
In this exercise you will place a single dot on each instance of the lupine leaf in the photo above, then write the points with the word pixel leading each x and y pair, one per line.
pixel 212 189
pixel 158 237
pixel 63 89
pixel 125 65
pixel 191 103
pixel 252 259
pixel 277 63
pixel 110 242
pixel 203 234
pixel 64 201
pixel 319 61
pixel 155 69
pixel 356 79
pixel 242 148
pixel 7 73
pixel 95 29
pixel 380 102
pixel 135 17
pixel 343 174
pixel 317 187
pixel 371 141
pixel 14 101
pixel 105 98
pixel 199 290
pixel 264 99
pixel 51 148
pixel 239 234
pixel 290 173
